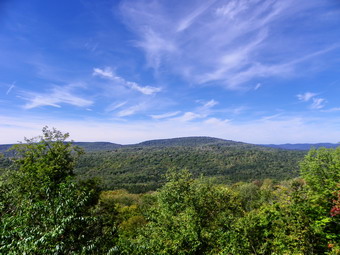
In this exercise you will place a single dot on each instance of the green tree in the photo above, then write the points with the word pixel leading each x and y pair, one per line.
pixel 190 217
pixel 321 171
pixel 43 210
pixel 45 161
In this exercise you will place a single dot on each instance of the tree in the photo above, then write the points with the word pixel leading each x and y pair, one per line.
pixel 321 171
pixel 190 217
pixel 43 209
pixel 45 161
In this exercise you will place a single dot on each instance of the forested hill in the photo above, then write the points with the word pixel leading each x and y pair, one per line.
pixel 98 146
pixel 187 141
pixel 87 146
pixel 172 142
pixel 141 167
pixel 193 141
pixel 5 147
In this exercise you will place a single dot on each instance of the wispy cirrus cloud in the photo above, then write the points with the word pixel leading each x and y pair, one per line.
pixel 188 20
pixel 115 106
pixel 10 88
pixel 200 112
pixel 56 96
pixel 305 97
pixel 257 86
pixel 317 102
pixel 334 109
pixel 132 110
pixel 165 115
pixel 229 43
pixel 108 73
pixel 188 116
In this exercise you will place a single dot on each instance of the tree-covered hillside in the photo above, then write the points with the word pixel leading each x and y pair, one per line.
pixel 141 168
pixel 187 142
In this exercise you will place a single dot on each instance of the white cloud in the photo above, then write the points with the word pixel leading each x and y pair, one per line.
pixel 10 88
pixel 210 104
pixel 187 21
pixel 56 96
pixel 216 121
pixel 206 109
pixel 131 110
pixel 146 90
pixel 156 47
pixel 106 73
pixel 306 96
pixel 188 116
pixel 335 109
pixel 115 106
pixel 228 43
pixel 318 103
pixel 109 74
pixel 200 112
pixel 232 9
pixel 258 85
pixel 165 115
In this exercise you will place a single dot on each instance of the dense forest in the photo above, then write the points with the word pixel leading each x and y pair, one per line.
pixel 142 168
pixel 178 198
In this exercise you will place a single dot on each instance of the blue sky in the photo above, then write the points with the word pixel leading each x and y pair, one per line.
pixel 257 71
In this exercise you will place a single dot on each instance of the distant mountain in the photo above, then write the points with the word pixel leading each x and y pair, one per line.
pixel 194 141
pixel 4 148
pixel 301 146
pixel 186 141
pixel 87 146
pixel 141 167
pixel 98 146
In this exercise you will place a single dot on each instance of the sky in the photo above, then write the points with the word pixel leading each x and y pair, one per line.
pixel 256 71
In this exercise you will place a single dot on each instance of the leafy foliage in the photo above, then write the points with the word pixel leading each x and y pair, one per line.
pixel 321 170
pixel 42 209
pixel 141 169
pixel 186 219
pixel 192 216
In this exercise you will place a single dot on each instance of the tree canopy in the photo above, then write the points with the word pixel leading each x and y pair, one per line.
pixel 43 210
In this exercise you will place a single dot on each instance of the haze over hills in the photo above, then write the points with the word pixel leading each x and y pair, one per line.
pixel 188 142
pixel 302 146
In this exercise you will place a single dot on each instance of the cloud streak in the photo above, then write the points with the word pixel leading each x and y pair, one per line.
pixel 10 88
pixel 318 103
pixel 165 115
pixel 109 74
pixel 229 43
pixel 132 110
pixel 54 97
pixel 201 112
